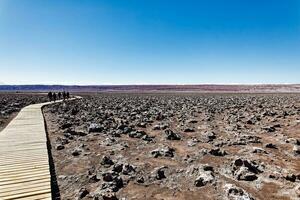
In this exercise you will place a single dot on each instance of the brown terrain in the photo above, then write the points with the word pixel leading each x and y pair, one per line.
pixel 176 146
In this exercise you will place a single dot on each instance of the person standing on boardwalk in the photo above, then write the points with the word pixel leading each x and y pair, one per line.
pixel 50 96
pixel 68 95
pixel 59 95
pixel 54 96
pixel 64 95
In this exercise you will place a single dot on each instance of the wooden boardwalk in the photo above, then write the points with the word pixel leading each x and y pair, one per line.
pixel 24 162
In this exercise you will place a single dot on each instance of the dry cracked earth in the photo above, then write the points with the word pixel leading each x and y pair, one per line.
pixel 176 146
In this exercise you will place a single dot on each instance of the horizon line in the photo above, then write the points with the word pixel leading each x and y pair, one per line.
pixel 152 84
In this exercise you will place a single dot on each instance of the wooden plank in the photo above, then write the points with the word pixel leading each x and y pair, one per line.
pixel 24 162
pixel 28 194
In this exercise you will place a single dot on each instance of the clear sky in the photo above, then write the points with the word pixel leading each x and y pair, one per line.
pixel 149 41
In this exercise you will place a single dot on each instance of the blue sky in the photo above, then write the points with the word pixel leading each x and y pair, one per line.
pixel 149 41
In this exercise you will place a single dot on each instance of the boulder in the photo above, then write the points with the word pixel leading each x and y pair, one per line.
pixel 76 152
pixel 259 150
pixel 170 135
pixel 296 150
pixel 59 147
pixel 245 170
pixel 148 138
pixel 159 173
pixel 243 173
pixel 94 128
pixel 236 193
pixel 106 161
pixel 136 134
pixel 204 174
pixel 291 177
pixel 204 178
pixel 271 146
pixel 188 130
pixel 210 136
pixel 163 152
pixel 192 142
pixel 83 192
pixel 65 125
pixel 217 152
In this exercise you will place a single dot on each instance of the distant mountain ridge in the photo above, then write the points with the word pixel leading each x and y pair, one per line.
pixel 158 88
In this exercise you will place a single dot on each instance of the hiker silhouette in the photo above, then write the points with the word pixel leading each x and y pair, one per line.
pixel 64 95
pixel 54 96
pixel 50 96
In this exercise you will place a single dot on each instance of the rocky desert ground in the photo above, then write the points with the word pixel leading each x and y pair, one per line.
pixel 12 103
pixel 176 146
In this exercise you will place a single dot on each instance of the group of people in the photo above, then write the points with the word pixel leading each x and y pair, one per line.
pixel 60 95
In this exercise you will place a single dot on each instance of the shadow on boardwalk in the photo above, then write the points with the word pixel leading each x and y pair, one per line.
pixel 54 185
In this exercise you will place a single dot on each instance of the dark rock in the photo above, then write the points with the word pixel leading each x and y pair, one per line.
pixel 251 121
pixel 269 129
pixel 137 134
pixel 142 125
pixel 69 136
pixel 204 174
pixel 164 151
pixel 159 173
pixel 188 130
pixel 74 111
pixel 244 174
pixel 245 170
pixel 108 177
pixel 65 125
pixel 192 142
pixel 259 150
pixel 170 135
pixel 118 167
pixel 95 128
pixel 140 179
pixel 277 126
pixel 291 177
pixel 74 133
pixel 76 152
pixel 210 136
pixel 234 192
pixel 60 147
pixel 93 178
pixel 83 192
pixel 204 178
pixel 217 152
pixel 106 161
pixel 156 127
pixel 296 150
pixel 118 183
pixel 109 196
pixel 208 168
pixel 128 169
pixel 147 138
pixel 122 127
pixel 192 121
pixel 271 146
